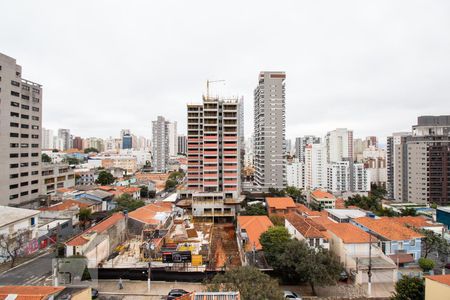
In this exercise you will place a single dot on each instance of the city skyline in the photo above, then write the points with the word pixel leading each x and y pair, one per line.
pixel 373 72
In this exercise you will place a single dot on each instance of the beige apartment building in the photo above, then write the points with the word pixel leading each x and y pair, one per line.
pixel 20 135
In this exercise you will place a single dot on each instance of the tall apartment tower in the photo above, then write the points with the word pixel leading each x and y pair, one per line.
pixel 422 162
pixel 47 139
pixel 20 135
pixel 339 143
pixel 300 145
pixel 182 144
pixel 64 135
pixel 160 132
pixel 214 143
pixel 173 139
pixel 391 156
pixel 269 131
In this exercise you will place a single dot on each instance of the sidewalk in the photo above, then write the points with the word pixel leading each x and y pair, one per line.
pixel 136 288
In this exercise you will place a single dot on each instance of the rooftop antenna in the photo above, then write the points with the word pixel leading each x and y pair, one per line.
pixel 207 87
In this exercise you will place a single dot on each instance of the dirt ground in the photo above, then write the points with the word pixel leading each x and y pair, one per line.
pixel 224 248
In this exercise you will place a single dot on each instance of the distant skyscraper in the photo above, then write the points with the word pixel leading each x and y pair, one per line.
pixel 160 153
pixel 173 138
pixel 269 131
pixel 182 144
pixel 64 135
pixel 77 143
pixel 300 145
pixel 339 145
pixel 315 168
pixel 47 139
pixel 295 174
pixel 127 139
pixel 392 156
pixel 20 135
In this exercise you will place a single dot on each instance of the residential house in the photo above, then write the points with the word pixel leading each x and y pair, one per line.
pixel 280 205
pixel 99 241
pixel 345 215
pixel 319 199
pixel 154 216
pixel 105 198
pixel 351 244
pixel 305 229
pixel 15 221
pixel 399 242
pixel 437 287
pixel 249 229
pixel 420 222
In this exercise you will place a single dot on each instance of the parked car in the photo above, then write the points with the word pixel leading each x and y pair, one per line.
pixel 175 293
pixel 291 295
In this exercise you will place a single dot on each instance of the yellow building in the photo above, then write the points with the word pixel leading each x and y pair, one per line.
pixel 437 287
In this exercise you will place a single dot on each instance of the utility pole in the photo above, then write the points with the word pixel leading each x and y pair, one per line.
pixel 369 272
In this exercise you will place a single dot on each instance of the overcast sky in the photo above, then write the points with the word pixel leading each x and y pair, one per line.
pixel 372 66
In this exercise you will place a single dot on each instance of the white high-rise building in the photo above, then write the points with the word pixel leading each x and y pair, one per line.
pixel 47 139
pixel 160 130
pixel 339 176
pixel 294 174
pixel 315 166
pixel 300 145
pixel 361 178
pixel 20 135
pixel 339 143
pixel 172 138
pixel 269 131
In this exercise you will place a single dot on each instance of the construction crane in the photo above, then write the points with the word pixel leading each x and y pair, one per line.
pixel 207 86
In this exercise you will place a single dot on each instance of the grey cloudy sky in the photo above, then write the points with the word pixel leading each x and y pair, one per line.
pixel 372 66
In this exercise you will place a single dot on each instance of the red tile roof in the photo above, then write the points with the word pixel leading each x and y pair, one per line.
pixel 306 226
pixel 319 194
pixel 29 292
pixel 100 227
pixel 280 202
pixel 254 226
pixel 388 228
pixel 65 205
pixel 340 203
pixel 349 233
pixel 416 221
pixel 444 279
pixel 147 214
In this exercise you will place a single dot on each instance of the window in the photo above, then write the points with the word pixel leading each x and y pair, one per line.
pixel 24 126
pixel 25 88
pixel 25 183
pixel 15 94
pixel 23 154
pixel 35 163
pixel 34 136
pixel 13 134
pixel 11 197
pixel 14 145
pixel 25 97
pixel 15 83
pixel 22 165
pixel 14 114
pixel 24 135
pixel 412 243
pixel 24 145
pixel 35 90
pixel 34 127
pixel 34 172
pixel 34 181
pixel 35 99
pixel 34 154
pixel 13 155
pixel 34 191
pixel 34 145
pixel 34 118
pixel 27 107
pixel 15 104
pixel 12 124
pixel 35 108
pixel 24 193
pixel 25 116
pixel 13 186
pixel 23 174
pixel 12 176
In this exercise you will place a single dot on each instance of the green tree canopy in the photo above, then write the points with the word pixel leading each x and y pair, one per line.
pixel 426 264
pixel 105 178
pixel 409 288
pixel 277 220
pixel 71 160
pixel 126 202
pixel 177 175
pixel 144 191
pixel 249 281
pixel 293 192
pixel 257 209
pixel 170 183
pixel 45 158
pixel 274 241
pixel 301 263
pixel 90 150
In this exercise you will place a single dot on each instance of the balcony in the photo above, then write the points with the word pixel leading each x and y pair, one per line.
pixel 213 168
pixel 230 152
pixel 230 189
pixel 210 160
pixel 209 153
pixel 210 145
pixel 233 145
pixel 193 140
pixel 230 160
pixel 230 138
pixel 210 137
pixel 210 183
pixel 193 152
pixel 213 175
pixel 230 182
pixel 230 167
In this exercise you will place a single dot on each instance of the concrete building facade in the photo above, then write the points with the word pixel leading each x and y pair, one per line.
pixel 160 135
pixel 302 142
pixel 20 132
pixel 269 131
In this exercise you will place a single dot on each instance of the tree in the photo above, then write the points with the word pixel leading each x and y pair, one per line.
pixel 409 288
pixel 170 184
pixel 90 150
pixel 45 158
pixel 426 264
pixel 301 263
pixel 85 216
pixel 276 192
pixel 409 211
pixel 430 242
pixel 177 175
pixel 13 245
pixel 277 220
pixel 256 209
pixel 71 160
pixel 144 191
pixel 377 191
pixel 293 192
pixel 274 241
pixel 249 281
pixel 126 202
pixel 105 178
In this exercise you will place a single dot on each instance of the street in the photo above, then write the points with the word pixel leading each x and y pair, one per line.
pixel 32 273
